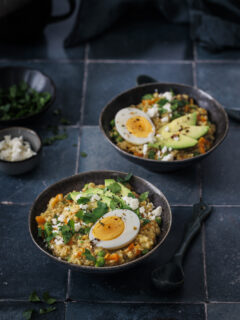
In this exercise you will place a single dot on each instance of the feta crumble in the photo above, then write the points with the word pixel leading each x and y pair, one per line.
pixel 153 112
pixel 164 119
pixel 164 149
pixel 83 206
pixel 145 149
pixel 168 157
pixel 167 106
pixel 95 197
pixel 168 95
pixel 15 149
pixel 131 202
pixel 58 240
pixel 142 210
pixel 155 213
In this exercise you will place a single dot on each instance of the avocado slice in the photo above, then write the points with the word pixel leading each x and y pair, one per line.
pixel 195 131
pixel 181 142
pixel 189 119
pixel 106 200
pixel 124 190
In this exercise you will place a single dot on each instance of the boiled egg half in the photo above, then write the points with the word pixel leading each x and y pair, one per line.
pixel 115 229
pixel 134 126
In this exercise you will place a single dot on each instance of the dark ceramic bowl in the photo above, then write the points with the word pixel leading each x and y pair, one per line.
pixel 36 80
pixel 133 96
pixel 23 166
pixel 76 183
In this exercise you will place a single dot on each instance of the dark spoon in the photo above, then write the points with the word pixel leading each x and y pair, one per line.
pixel 232 112
pixel 171 276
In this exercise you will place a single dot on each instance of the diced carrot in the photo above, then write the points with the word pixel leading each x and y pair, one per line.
pixel 114 257
pixel 186 108
pixel 40 219
pixel 70 242
pixel 138 154
pixel 138 252
pixel 202 143
pixel 80 252
pixel 130 247
pixel 65 220
pixel 41 226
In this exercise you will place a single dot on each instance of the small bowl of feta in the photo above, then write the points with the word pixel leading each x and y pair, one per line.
pixel 20 150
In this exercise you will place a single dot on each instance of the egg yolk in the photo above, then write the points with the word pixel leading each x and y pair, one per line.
pixel 108 228
pixel 139 126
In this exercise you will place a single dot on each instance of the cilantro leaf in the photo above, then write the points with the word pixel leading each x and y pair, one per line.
pixel 89 256
pixel 125 179
pixel 48 299
pixel 66 233
pixel 143 196
pixel 114 187
pixel 27 314
pixel 34 297
pixel 68 197
pixel 162 102
pixel 98 212
pixel 147 96
pixel 113 204
pixel 47 310
pixel 151 154
pixel 83 200
pixel 47 228
pixel 131 195
pixel 71 225
pixel 79 214
pixel 83 154
pixel 145 221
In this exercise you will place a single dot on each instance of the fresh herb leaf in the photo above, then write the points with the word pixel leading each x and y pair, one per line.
pixel 89 256
pixel 98 212
pixel 125 179
pixel 114 187
pixel 100 262
pixel 69 197
pixel 84 230
pixel 151 154
pixel 48 228
pixel 71 224
pixel 162 102
pixel 48 299
pixel 34 297
pixel 83 154
pixel 66 233
pixel 145 221
pixel 40 232
pixel 143 196
pixel 112 123
pixel 47 310
pixel 131 195
pixel 158 220
pixel 147 97
pixel 101 253
pixel 83 200
pixel 50 140
pixel 144 251
pixel 113 204
pixel 27 314
pixel 79 214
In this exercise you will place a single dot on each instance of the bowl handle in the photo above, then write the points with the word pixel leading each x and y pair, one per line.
pixel 72 6
pixel 143 79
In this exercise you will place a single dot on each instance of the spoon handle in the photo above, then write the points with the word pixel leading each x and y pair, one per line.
pixel 200 212
pixel 143 79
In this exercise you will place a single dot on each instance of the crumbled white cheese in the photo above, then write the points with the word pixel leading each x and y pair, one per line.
pixel 54 221
pixel 131 202
pixel 164 119
pixel 170 149
pixel 78 196
pixel 59 240
pixel 77 226
pixel 164 149
pixel 168 95
pixel 166 129
pixel 176 138
pixel 155 213
pixel 15 149
pixel 168 157
pixel 61 218
pixel 153 112
pixel 83 206
pixel 142 210
pixel 145 149
pixel 158 154
pixel 95 197
pixel 167 106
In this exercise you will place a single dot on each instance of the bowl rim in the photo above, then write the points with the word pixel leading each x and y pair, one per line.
pixel 33 156
pixel 198 157
pixel 93 268
pixel 47 105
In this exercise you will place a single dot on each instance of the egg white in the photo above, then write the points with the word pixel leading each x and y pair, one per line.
pixel 131 229
pixel 121 119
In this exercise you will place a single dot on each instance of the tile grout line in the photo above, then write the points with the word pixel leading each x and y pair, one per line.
pixel 204 261
pixel 205 311
pixel 84 85
pixel 194 71
pixel 68 284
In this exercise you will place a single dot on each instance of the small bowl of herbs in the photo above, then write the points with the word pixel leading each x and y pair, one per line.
pixel 25 94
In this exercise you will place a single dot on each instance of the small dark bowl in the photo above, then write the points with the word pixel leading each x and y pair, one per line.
pixel 133 96
pixel 23 166
pixel 76 183
pixel 36 80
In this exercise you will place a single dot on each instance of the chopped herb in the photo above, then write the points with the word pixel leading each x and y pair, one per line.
pixel 89 256
pixel 151 154
pixel 125 179
pixel 83 154
pixel 147 97
pixel 112 123
pixel 71 225
pixel 158 220
pixel 83 200
pixel 50 140
pixel 48 228
pixel 47 310
pixel 145 221
pixel 79 214
pixel 131 195
pixel 66 233
pixel 101 253
pixel 64 121
pixel 48 299
pixel 113 204
pixel 144 251
pixel 143 196
pixel 93 216
pixel 68 197
pixel 119 139
pixel 162 102
pixel 34 297
pixel 84 230
pixel 162 110
pixel 114 187
pixel 27 314
pixel 40 232
pixel 100 262
pixel 19 101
